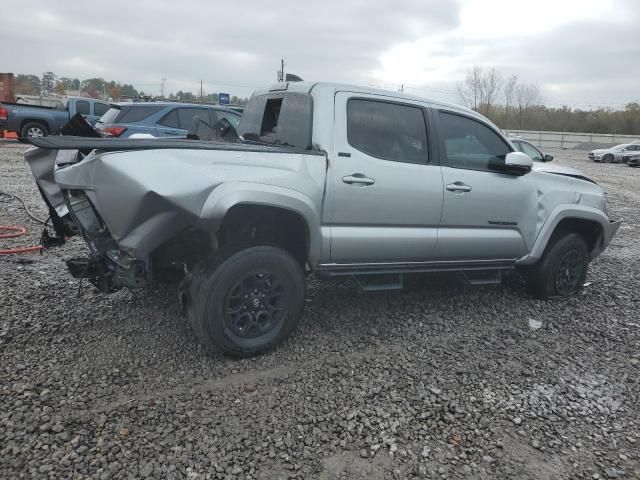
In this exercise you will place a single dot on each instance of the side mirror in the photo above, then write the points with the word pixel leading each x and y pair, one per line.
pixel 518 163
pixel 548 158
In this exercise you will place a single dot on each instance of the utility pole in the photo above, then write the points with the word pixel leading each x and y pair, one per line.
pixel 162 87
pixel 402 88
pixel 200 91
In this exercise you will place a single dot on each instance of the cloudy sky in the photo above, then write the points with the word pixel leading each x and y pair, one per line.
pixel 580 52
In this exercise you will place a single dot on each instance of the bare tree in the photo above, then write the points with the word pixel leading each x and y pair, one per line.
pixel 470 90
pixel 509 93
pixel 486 92
pixel 491 84
pixel 480 90
pixel 526 95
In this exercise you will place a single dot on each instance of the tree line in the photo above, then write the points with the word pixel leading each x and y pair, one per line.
pixel 514 104
pixel 50 83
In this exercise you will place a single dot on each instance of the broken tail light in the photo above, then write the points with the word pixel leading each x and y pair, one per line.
pixel 113 131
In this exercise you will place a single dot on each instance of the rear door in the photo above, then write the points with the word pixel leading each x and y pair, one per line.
pixel 487 214
pixel 386 197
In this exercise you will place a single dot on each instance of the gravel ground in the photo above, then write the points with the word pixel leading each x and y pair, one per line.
pixel 437 381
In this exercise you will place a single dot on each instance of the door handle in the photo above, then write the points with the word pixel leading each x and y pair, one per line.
pixel 359 179
pixel 458 187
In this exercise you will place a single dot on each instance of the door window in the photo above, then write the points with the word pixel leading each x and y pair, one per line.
pixel 136 113
pixel 389 131
pixel 186 116
pixel 82 107
pixel 170 119
pixel 471 145
pixel 533 152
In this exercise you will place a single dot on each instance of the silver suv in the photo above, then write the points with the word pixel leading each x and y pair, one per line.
pixel 322 178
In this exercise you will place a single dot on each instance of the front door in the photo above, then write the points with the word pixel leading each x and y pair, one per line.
pixel 487 214
pixel 387 192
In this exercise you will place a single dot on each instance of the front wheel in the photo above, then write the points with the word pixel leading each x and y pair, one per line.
pixel 562 270
pixel 608 158
pixel 248 302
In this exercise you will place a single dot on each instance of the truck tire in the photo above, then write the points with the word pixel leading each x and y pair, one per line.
pixel 245 303
pixel 34 129
pixel 562 270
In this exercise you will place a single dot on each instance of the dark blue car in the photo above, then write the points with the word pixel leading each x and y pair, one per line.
pixel 161 119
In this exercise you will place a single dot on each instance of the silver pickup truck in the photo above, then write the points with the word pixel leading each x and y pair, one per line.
pixel 330 179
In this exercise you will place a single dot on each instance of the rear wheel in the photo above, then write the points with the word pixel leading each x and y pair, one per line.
pixel 34 130
pixel 248 302
pixel 562 270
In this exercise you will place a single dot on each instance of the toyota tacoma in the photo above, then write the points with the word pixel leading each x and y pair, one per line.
pixel 321 178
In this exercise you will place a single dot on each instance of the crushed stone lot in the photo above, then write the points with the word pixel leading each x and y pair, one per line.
pixel 437 381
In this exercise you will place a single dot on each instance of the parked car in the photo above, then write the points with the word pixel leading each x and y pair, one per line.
pixel 614 154
pixel 29 121
pixel 160 119
pixel 527 147
pixel 632 159
pixel 331 179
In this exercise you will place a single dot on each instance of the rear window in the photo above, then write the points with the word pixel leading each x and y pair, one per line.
pixel 279 118
pixel 135 113
pixel 233 118
pixel 82 107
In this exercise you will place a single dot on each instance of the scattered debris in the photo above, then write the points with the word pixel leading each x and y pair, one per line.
pixel 535 324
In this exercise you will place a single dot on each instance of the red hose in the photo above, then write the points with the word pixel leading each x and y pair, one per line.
pixel 12 233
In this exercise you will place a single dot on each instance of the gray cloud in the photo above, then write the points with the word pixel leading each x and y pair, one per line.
pixel 237 46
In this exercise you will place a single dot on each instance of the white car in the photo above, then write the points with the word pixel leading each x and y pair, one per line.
pixel 614 154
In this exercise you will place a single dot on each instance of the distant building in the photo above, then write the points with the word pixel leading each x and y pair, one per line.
pixel 7 88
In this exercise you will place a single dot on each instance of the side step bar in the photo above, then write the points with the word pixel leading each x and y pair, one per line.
pixel 379 283
pixel 481 278
pixel 395 281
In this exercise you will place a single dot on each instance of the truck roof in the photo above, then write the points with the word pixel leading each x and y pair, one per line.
pixel 170 103
pixel 307 87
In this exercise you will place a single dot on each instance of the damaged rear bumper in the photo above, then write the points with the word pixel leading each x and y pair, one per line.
pixel 107 267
